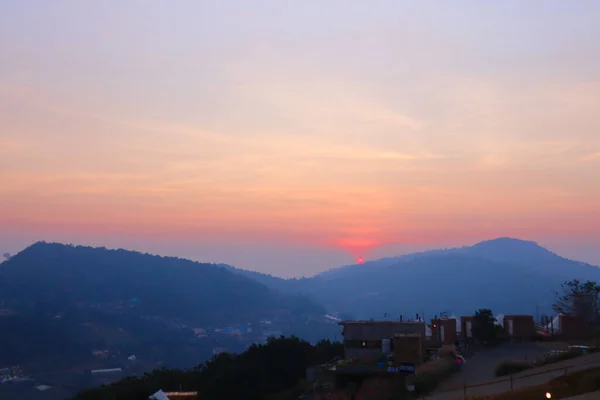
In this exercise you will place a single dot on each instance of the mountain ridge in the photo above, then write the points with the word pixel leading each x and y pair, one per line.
pixel 44 270
pixel 508 274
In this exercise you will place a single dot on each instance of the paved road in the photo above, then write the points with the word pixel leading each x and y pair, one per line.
pixel 482 365
pixel 485 367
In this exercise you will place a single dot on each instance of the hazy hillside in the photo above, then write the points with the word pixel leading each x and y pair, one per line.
pixel 206 294
pixel 507 275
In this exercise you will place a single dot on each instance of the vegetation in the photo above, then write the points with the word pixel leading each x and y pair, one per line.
pixel 259 372
pixel 66 301
pixel 580 299
pixel 429 375
pixel 569 385
pixel 557 356
pixel 511 367
pixel 60 276
pixel 484 329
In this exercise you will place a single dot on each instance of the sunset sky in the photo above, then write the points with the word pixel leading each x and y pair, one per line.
pixel 294 136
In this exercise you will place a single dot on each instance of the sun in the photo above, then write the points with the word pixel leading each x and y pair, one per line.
pixel 360 260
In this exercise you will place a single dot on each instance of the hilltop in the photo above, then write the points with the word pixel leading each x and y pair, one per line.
pixel 61 275
pixel 505 274
pixel 61 302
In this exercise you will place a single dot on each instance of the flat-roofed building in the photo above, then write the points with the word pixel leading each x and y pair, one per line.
pixel 371 339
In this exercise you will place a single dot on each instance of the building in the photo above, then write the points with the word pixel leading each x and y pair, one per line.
pixel 466 325
pixel 444 330
pixel 408 348
pixel 519 327
pixel 568 327
pixel 370 339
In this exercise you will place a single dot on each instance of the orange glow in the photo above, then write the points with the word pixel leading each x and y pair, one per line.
pixel 298 145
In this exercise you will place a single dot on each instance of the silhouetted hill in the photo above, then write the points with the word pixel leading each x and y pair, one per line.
pixel 63 275
pixel 507 275
pixel 271 281
pixel 61 304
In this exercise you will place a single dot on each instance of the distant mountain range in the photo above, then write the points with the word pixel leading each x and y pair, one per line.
pixel 120 289
pixel 507 275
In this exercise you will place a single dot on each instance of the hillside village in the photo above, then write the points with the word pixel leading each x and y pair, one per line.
pixel 382 354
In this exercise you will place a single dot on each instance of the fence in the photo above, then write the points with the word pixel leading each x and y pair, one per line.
pixel 510 383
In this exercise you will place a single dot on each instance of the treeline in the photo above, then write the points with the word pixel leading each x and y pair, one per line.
pixel 260 371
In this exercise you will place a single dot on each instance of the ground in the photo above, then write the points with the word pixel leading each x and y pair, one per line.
pixel 480 369
pixel 587 396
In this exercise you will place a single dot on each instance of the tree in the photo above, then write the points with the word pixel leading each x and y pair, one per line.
pixel 579 299
pixel 484 328
pixel 260 371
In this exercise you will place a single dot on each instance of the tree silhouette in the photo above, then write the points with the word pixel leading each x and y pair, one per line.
pixel 579 299
pixel 484 328
pixel 260 371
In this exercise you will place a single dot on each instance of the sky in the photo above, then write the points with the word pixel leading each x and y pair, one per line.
pixel 290 137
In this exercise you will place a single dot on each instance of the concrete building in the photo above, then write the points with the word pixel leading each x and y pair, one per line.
pixel 570 327
pixel 370 339
pixel 444 330
pixel 408 348
pixel 519 327
pixel 466 327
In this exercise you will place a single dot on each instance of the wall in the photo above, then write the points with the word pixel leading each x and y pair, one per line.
pixel 466 322
pixel 375 331
pixel 408 349
pixel 448 326
pixel 574 328
pixel 362 354
pixel 378 330
pixel 523 327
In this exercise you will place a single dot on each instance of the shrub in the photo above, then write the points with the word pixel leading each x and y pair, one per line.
pixel 573 384
pixel 429 375
pixel 555 357
pixel 511 367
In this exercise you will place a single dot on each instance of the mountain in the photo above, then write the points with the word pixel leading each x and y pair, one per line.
pixel 204 294
pixel 61 304
pixel 268 280
pixel 507 275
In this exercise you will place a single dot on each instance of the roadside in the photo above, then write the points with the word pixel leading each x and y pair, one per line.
pixel 482 365
pixel 587 396
pixel 477 384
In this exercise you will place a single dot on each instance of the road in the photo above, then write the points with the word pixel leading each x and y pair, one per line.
pixel 480 369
